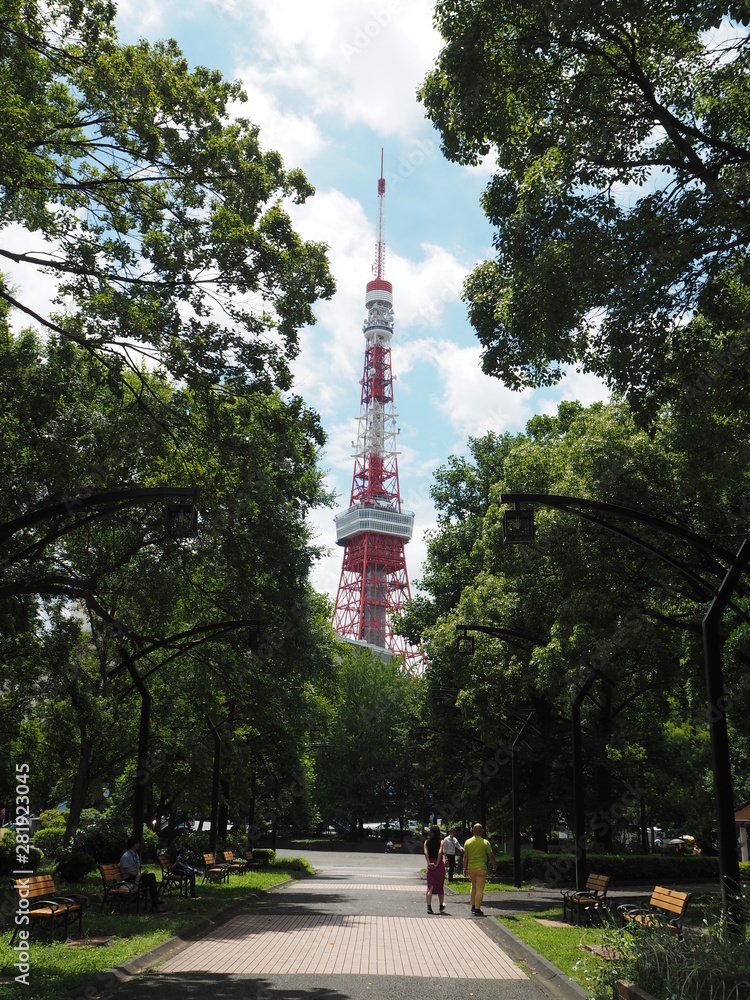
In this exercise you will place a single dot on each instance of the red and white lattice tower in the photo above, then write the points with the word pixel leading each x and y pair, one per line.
pixel 375 528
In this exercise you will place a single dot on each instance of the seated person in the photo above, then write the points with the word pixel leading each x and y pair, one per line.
pixel 180 867
pixel 131 874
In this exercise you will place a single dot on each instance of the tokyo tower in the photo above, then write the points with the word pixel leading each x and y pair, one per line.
pixel 375 528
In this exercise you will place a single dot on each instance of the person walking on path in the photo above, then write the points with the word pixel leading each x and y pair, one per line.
pixel 477 852
pixel 433 852
pixel 451 850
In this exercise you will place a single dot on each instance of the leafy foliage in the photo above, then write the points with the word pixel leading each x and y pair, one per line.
pixel 579 599
pixel 620 137
pixel 73 865
pixel 162 220
pixel 368 768
pixel 9 858
pixel 713 965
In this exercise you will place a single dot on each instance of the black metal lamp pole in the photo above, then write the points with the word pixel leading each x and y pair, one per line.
pixel 517 875
pixel 579 811
pixel 214 786
pixel 729 867
pixel 465 643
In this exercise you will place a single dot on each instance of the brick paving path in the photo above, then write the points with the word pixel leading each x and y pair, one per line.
pixel 357 931
pixel 339 945
pixel 346 943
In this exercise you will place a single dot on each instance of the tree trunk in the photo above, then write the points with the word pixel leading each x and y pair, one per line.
pixel 539 839
pixel 251 811
pixel 80 787
pixel 223 811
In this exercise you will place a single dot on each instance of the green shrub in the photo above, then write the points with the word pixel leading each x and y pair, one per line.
pixel 106 841
pixel 149 845
pixel 265 855
pixel 89 817
pixel 49 840
pixel 559 869
pixel 75 864
pixel 195 844
pixel 294 864
pixel 238 843
pixel 53 817
pixel 10 861
pixel 713 965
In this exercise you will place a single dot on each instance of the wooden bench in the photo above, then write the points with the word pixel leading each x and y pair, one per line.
pixel 117 892
pixel 251 861
pixel 591 899
pixel 666 909
pixel 36 897
pixel 213 870
pixel 236 865
pixel 172 880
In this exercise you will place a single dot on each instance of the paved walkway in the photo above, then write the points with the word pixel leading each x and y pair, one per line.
pixel 358 930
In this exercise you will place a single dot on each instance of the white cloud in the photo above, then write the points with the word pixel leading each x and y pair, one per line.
pixel 30 285
pixel 581 386
pixel 296 136
pixel 358 61
pixel 141 17
pixel 422 289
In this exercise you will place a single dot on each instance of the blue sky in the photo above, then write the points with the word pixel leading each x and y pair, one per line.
pixel 330 82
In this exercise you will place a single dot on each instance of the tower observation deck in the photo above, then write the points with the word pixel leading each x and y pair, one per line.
pixel 375 528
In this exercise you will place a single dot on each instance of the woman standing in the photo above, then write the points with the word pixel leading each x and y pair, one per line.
pixel 433 852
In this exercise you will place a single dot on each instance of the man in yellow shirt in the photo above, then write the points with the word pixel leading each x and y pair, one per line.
pixel 477 852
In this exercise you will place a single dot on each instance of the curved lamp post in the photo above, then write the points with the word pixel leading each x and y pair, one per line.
pixel 465 644
pixel 185 642
pixel 181 522
pixel 518 526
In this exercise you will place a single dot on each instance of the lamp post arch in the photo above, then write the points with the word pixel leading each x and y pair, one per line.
pixel 714 557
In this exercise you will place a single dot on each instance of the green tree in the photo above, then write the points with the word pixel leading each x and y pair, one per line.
pixel 584 599
pixel 69 432
pixel 367 771
pixel 621 142
pixel 163 220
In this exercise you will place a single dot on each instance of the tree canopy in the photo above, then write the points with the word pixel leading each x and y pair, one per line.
pixel 620 135
pixel 210 622
pixel 578 599
pixel 161 219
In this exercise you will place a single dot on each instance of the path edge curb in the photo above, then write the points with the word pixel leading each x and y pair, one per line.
pixel 554 980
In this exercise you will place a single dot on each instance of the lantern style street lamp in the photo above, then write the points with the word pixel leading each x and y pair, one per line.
pixel 182 520
pixel 465 646
pixel 518 526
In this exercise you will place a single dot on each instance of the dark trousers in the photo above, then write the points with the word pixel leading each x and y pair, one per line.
pixel 149 880
pixel 183 869
pixel 451 865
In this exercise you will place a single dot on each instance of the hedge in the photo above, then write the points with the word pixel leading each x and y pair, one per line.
pixel 559 869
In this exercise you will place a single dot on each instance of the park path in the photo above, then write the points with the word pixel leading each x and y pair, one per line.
pixel 358 930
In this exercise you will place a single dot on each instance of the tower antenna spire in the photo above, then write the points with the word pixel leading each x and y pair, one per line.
pixel 379 268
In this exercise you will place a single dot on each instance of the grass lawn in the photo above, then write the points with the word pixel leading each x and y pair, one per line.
pixel 561 945
pixel 55 968
pixel 462 886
